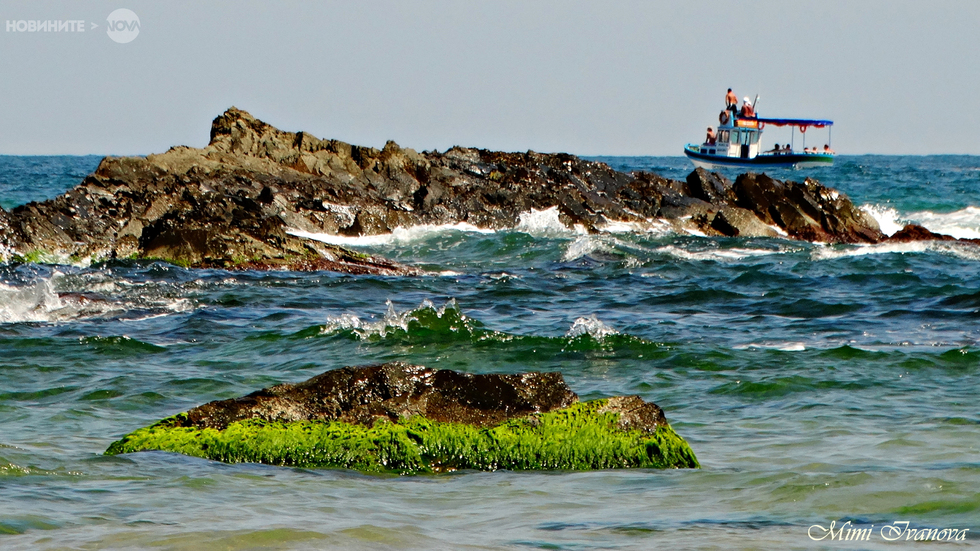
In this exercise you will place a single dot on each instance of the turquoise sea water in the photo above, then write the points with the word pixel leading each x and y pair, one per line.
pixel 815 383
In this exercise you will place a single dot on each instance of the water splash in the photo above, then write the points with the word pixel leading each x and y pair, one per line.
pixel 888 218
pixel 591 326
pixel 58 297
pixel 34 302
pixel 426 317
pixel 445 325
pixel 584 246
pixel 545 223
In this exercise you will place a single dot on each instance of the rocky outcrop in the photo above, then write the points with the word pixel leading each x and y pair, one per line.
pixel 242 200
pixel 391 391
pixel 409 419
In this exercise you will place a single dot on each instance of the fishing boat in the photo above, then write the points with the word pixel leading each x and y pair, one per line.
pixel 737 145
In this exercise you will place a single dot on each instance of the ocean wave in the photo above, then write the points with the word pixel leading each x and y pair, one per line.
pixel 586 245
pixel 782 346
pixel 590 326
pixel 724 255
pixel 545 223
pixel 59 297
pixel 400 235
pixel 966 251
pixel 962 224
pixel 889 221
pixel 447 324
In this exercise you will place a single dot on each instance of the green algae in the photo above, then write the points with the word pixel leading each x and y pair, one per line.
pixel 36 256
pixel 578 437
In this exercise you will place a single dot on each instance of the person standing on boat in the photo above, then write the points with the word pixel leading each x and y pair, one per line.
pixel 709 138
pixel 731 101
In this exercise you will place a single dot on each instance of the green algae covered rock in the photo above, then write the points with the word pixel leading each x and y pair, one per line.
pixel 422 421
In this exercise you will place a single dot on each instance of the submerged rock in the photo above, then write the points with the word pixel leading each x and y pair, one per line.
pixel 403 418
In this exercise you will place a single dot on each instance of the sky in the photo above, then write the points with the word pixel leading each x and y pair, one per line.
pixel 588 78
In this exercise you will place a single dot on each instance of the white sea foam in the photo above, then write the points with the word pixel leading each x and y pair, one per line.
pixel 584 245
pixel 398 236
pixel 592 326
pixel 963 224
pixel 784 346
pixel 393 320
pixel 36 302
pixel 716 254
pixel 60 297
pixel 617 226
pixel 545 223
pixel 960 250
pixel 888 218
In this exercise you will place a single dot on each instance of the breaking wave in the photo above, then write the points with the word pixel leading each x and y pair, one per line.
pixel 962 224
pixel 447 324
pixel 965 251
pixel 398 236
pixel 60 297
pixel 545 223
pixel 889 221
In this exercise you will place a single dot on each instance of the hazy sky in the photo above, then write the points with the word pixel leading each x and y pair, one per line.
pixel 590 78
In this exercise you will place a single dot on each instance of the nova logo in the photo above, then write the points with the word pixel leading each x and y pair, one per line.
pixel 124 25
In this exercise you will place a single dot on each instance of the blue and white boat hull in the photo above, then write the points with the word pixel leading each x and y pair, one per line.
pixel 709 161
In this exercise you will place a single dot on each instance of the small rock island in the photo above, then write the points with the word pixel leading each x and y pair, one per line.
pixel 242 201
pixel 409 419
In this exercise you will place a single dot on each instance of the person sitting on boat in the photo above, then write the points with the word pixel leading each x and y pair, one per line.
pixel 747 110
pixel 827 149
pixel 710 139
pixel 789 149
pixel 776 150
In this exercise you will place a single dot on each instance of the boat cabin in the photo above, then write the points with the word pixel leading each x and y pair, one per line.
pixel 738 138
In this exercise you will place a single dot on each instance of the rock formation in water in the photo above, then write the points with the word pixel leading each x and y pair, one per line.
pixel 241 201
pixel 402 418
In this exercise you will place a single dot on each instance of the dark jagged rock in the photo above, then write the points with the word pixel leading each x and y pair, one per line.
pixel 915 232
pixel 409 419
pixel 807 211
pixel 242 200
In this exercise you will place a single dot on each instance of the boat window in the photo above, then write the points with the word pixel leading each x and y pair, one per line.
pixel 755 137
pixel 735 136
pixel 745 137
pixel 723 137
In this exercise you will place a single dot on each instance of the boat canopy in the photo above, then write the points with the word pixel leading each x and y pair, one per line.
pixel 802 123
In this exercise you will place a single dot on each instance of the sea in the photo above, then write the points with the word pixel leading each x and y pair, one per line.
pixel 830 392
